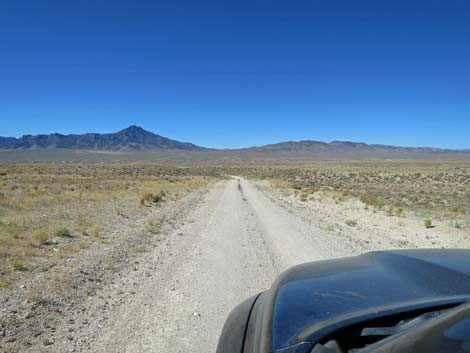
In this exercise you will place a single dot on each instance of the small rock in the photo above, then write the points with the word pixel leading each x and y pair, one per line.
pixel 51 242
pixel 29 315
pixel 48 342
pixel 196 314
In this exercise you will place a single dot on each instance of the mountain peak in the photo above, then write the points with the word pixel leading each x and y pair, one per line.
pixel 134 128
pixel 132 138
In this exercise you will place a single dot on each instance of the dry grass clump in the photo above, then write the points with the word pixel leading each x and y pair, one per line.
pixel 304 196
pixel 428 223
pixel 371 201
pixel 41 203
pixel 351 222
pixel 62 232
pixel 400 212
pixel 152 198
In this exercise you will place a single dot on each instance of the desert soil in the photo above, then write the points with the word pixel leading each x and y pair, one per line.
pixel 225 244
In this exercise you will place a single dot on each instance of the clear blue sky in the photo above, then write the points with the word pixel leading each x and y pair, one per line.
pixel 239 73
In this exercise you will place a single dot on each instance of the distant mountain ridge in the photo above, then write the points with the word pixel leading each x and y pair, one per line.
pixel 348 149
pixel 131 138
pixel 135 138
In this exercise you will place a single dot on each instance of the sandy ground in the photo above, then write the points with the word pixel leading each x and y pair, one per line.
pixel 229 243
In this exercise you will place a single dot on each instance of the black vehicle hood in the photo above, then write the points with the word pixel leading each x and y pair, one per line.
pixel 311 300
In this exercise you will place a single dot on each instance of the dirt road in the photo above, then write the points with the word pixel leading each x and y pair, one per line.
pixel 164 278
pixel 232 246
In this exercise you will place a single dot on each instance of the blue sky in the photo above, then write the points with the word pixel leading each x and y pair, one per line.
pixel 239 73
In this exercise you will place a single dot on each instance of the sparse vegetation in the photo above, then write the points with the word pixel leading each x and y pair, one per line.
pixel 62 232
pixel 437 189
pixel 370 201
pixel 428 223
pixel 39 203
pixel 40 238
pixel 152 227
pixel 95 231
pixel 18 266
pixel 400 212
pixel 307 192
pixel 152 198
pixel 140 249
pixel 100 206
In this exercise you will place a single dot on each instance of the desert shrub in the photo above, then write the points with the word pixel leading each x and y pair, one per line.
pixel 159 197
pixel 95 231
pixel 351 222
pixel 68 249
pixel 152 227
pixel 83 245
pixel 312 190
pixel 36 296
pixel 428 223
pixel 146 198
pixel 149 197
pixel 368 200
pixel 40 238
pixel 18 266
pixel 296 186
pixel 400 212
pixel 62 232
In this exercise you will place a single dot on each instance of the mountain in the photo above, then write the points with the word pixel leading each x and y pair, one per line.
pixel 347 149
pixel 132 138
pixel 135 138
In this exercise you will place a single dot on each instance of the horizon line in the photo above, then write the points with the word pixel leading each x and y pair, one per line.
pixel 251 146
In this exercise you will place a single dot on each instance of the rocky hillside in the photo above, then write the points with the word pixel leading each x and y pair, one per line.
pixel 132 138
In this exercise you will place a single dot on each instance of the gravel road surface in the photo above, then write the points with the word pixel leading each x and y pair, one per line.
pixel 233 245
